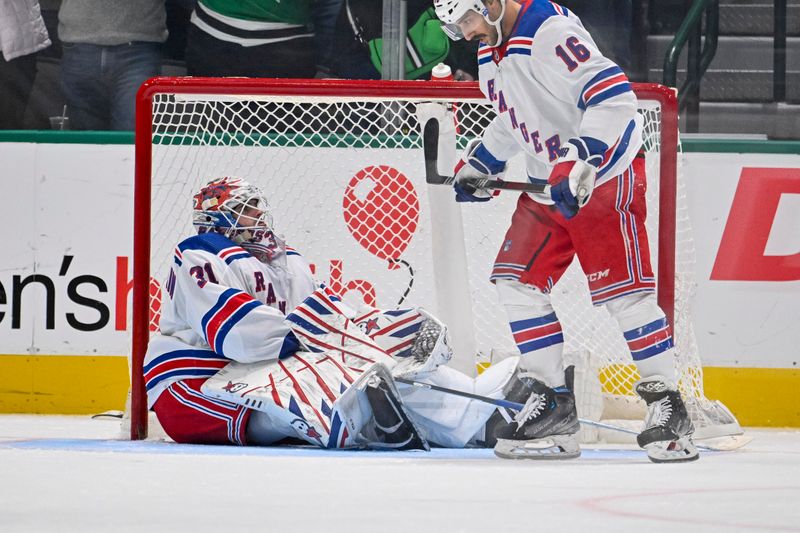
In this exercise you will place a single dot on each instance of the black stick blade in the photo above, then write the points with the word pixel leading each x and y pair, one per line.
pixel 430 148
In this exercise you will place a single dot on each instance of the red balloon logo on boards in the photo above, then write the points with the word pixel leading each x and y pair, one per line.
pixel 381 210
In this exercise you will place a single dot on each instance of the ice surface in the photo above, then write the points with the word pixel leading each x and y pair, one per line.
pixel 64 474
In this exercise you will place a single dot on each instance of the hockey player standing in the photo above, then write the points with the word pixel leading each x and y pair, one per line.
pixel 572 113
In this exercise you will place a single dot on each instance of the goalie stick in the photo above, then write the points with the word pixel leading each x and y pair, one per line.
pixel 731 442
pixel 430 148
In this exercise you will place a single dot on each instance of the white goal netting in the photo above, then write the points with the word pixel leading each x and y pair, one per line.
pixel 344 174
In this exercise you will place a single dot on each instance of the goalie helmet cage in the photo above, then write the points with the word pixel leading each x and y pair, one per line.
pixel 342 165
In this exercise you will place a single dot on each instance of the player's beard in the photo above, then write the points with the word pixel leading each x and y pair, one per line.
pixel 489 39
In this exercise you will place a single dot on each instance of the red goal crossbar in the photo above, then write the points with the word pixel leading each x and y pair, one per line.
pixel 433 90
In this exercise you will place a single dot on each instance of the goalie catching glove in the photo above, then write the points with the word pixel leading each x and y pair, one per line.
pixel 430 350
pixel 476 162
pixel 572 179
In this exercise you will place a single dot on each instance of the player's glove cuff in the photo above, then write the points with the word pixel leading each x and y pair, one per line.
pixel 483 161
pixel 477 162
pixel 572 179
pixel 587 149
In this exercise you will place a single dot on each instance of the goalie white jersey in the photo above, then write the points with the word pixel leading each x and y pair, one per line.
pixel 240 333
pixel 221 304
pixel 548 83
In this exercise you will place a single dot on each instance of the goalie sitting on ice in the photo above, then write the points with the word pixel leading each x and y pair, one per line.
pixel 250 351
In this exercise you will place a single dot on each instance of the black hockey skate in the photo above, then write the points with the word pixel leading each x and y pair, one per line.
pixel 546 427
pixel 668 428
pixel 394 428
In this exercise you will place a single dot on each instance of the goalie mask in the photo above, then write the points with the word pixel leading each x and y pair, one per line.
pixel 460 17
pixel 233 208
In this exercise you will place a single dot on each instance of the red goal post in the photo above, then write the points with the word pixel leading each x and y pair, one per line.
pixel 172 108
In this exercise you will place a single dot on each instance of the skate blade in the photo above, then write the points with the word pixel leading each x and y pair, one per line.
pixel 680 451
pixel 724 444
pixel 556 448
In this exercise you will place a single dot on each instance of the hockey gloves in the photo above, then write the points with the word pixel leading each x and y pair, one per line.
pixel 572 179
pixel 476 162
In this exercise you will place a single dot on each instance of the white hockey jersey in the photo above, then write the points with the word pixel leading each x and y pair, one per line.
pixel 549 83
pixel 220 304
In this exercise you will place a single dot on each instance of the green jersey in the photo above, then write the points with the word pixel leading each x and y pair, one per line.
pixel 254 22
pixel 285 11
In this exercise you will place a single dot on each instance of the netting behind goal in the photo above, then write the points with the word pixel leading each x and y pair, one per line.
pixel 342 166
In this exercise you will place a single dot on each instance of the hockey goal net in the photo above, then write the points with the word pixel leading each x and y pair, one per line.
pixel 342 166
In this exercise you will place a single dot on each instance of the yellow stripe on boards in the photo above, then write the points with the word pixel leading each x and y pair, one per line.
pixel 74 384
pixel 757 396
pixel 62 384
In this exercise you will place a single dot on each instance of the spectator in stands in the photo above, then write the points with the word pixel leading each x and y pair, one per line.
pixel 326 14
pixel 110 47
pixel 22 35
pixel 358 46
pixel 254 38
pixel 178 14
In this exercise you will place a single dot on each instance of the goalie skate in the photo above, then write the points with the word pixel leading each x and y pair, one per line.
pixel 393 428
pixel 668 428
pixel 546 427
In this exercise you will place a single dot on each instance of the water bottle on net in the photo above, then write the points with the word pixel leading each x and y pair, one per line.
pixel 442 72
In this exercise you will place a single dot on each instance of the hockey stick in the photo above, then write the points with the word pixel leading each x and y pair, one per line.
pixel 430 148
pixel 508 404
pixel 723 446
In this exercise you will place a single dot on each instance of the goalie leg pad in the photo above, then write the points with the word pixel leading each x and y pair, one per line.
pixel 317 395
pixel 321 324
pixel 392 331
